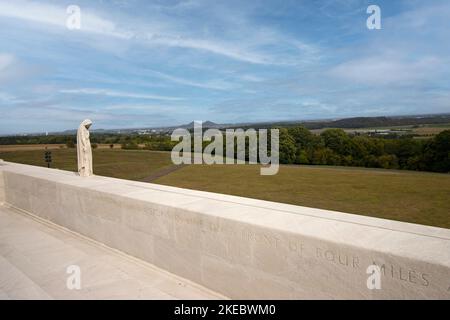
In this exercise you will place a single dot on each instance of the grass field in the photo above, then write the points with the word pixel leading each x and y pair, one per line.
pixel 417 197
pixel 117 163
pixel 25 147
pixel 399 195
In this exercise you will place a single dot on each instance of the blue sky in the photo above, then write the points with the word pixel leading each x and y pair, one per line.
pixel 156 63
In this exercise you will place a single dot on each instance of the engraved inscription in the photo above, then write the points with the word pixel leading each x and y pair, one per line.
pixel 298 248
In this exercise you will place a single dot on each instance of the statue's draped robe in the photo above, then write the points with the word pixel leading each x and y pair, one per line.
pixel 84 151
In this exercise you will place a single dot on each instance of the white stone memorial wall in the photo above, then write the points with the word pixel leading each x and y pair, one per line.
pixel 242 248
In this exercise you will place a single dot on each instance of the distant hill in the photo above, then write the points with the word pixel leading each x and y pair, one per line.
pixel 205 125
pixel 344 123
pixel 373 122
pixel 356 122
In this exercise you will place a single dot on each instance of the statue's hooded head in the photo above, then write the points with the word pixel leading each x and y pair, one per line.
pixel 86 123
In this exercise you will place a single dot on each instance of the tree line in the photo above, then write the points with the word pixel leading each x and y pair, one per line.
pixel 335 147
pixel 298 145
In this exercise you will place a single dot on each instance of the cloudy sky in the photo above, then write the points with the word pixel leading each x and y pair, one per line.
pixel 154 63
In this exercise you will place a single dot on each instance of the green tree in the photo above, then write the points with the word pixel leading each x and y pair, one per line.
pixel 319 156
pixel 287 147
pixel 302 157
pixel 303 138
pixel 437 153
pixel 337 140
pixel 388 161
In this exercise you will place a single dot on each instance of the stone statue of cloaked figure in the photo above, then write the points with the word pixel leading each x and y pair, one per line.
pixel 84 151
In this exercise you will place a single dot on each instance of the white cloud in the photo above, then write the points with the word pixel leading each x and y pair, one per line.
pixel 8 98
pixel 225 49
pixel 251 78
pixel 212 84
pixel 119 94
pixel 386 70
pixel 13 70
pixel 144 108
pixel 168 31
pixel 57 16
pixel 6 60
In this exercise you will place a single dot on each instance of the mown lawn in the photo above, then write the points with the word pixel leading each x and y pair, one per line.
pixel 117 163
pixel 417 197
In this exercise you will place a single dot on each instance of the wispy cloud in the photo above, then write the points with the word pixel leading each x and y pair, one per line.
pixel 8 99
pixel 168 33
pixel 229 50
pixel 210 84
pixel 118 94
pixel 387 70
pixel 57 16
pixel 5 61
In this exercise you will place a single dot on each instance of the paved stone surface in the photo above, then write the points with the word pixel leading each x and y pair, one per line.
pixel 34 257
